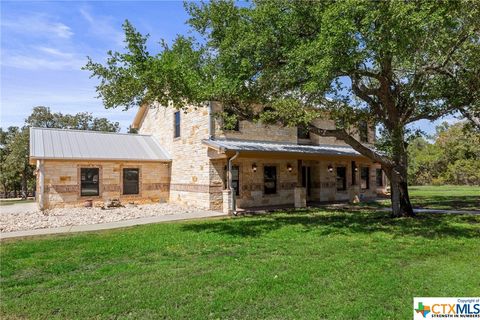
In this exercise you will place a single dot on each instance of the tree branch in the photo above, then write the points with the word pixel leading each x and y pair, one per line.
pixel 355 144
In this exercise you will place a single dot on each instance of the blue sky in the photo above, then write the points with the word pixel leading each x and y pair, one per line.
pixel 44 45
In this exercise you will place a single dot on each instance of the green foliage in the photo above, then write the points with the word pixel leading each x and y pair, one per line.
pixel 453 158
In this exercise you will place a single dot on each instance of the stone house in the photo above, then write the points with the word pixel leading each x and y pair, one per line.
pixel 192 160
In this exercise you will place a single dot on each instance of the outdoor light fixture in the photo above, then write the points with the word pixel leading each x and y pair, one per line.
pixel 330 168
pixel 289 167
pixel 254 167
pixel 356 169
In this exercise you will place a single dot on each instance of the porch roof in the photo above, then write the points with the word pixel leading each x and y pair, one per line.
pixel 93 145
pixel 263 146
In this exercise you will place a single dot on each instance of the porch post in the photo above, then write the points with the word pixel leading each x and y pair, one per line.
pixel 41 182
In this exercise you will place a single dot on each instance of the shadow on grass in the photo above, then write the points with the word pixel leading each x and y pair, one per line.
pixel 454 202
pixel 342 222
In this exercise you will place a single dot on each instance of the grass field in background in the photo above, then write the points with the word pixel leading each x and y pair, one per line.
pixel 303 265
pixel 438 197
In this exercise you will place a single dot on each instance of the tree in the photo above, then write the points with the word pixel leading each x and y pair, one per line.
pixel 453 157
pixel 42 117
pixel 387 62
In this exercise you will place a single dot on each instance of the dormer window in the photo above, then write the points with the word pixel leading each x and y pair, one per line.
pixel 303 133
pixel 176 127
pixel 363 131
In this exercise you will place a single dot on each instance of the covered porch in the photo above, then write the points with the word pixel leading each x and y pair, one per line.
pixel 261 174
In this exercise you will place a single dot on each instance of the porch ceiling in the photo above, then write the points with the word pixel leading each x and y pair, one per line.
pixel 224 146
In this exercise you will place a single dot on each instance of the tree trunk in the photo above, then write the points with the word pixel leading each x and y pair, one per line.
pixel 24 186
pixel 401 206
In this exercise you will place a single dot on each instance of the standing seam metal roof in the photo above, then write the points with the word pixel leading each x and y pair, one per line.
pixel 262 146
pixel 93 145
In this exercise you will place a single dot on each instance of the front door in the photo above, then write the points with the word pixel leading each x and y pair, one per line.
pixel 306 180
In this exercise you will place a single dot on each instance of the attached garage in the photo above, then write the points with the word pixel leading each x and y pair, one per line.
pixel 74 167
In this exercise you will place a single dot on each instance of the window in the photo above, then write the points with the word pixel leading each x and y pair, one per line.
pixel 303 133
pixel 230 121
pixel 270 179
pixel 354 173
pixel 236 179
pixel 176 133
pixel 365 178
pixel 130 181
pixel 341 178
pixel 363 131
pixel 379 177
pixel 89 182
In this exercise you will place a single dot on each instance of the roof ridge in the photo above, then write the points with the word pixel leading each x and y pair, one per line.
pixel 92 131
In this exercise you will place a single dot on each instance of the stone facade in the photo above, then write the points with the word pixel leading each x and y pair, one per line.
pixel 62 182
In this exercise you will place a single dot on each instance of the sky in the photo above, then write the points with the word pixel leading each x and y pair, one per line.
pixel 45 44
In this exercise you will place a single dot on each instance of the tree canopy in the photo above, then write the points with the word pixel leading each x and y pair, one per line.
pixel 387 62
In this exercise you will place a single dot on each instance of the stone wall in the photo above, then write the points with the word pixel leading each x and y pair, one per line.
pixel 62 182
pixel 190 170
pixel 323 183
pixel 249 130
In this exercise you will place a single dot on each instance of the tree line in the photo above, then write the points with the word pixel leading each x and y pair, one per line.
pixel 450 156
pixel 17 176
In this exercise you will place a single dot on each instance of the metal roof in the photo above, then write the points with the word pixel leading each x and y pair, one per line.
pixel 93 145
pixel 262 146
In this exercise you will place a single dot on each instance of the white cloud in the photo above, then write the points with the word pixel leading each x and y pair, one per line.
pixel 38 24
pixel 102 26
pixel 55 60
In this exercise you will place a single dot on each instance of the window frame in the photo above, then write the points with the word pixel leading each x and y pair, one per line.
pixel 303 133
pixel 237 190
pixel 377 176
pixel 177 126
pixel 138 181
pixel 363 131
pixel 82 194
pixel 274 190
pixel 367 180
pixel 344 182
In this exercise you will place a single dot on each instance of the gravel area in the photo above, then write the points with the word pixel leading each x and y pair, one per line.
pixel 12 220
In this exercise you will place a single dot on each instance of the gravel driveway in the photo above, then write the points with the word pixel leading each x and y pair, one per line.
pixel 26 216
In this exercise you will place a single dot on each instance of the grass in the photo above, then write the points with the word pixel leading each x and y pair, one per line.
pixel 302 265
pixel 8 202
pixel 438 197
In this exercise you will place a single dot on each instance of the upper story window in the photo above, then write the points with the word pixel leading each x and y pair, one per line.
pixel 230 121
pixel 89 181
pixel 303 133
pixel 365 178
pixel 130 180
pixel 176 127
pixel 363 131
pixel 270 179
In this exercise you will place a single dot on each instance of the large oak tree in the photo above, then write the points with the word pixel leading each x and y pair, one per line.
pixel 390 63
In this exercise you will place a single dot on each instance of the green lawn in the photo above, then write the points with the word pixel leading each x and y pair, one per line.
pixel 437 197
pixel 310 265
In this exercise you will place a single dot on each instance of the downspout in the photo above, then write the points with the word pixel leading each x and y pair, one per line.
pixel 41 182
pixel 233 207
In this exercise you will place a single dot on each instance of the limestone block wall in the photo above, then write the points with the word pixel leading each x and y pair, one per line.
pixel 62 182
pixel 249 130
pixel 190 170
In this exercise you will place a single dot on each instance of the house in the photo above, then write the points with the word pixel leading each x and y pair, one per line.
pixel 187 157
